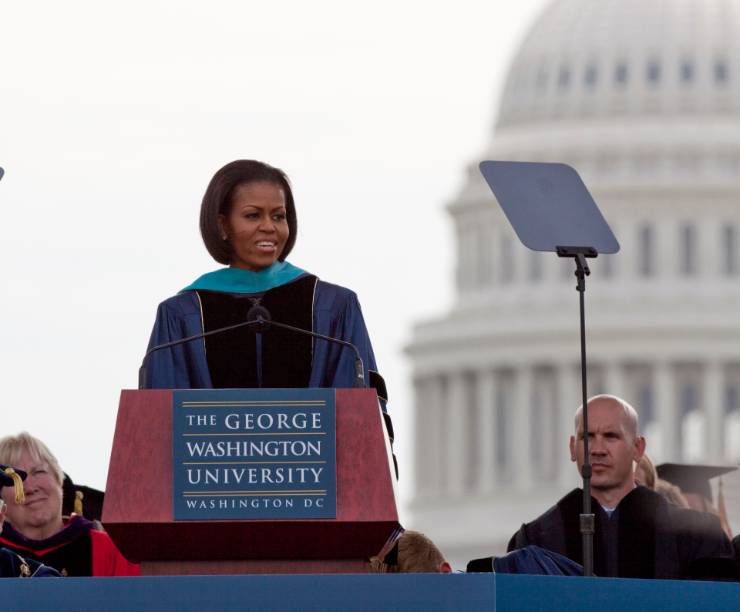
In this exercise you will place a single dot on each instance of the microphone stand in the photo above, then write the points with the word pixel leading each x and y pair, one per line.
pixel 587 519
pixel 263 321
pixel 259 318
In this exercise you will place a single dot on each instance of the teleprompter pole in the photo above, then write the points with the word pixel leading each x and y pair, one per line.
pixel 587 522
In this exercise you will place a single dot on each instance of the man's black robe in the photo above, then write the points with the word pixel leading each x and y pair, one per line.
pixel 645 537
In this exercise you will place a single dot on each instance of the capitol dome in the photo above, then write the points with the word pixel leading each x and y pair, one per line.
pixel 642 97
pixel 615 58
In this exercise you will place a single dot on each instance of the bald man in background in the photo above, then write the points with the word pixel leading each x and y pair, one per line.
pixel 638 534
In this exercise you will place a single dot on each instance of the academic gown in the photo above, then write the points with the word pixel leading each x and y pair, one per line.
pixel 276 358
pixel 78 549
pixel 645 537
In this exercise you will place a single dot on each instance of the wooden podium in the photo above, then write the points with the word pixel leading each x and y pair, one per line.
pixel 138 509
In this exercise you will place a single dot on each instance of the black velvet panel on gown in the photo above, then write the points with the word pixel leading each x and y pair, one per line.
pixel 241 358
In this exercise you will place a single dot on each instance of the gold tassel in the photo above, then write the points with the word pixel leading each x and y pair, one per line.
pixel 20 496
pixel 78 502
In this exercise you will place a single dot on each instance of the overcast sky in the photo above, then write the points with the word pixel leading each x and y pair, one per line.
pixel 113 118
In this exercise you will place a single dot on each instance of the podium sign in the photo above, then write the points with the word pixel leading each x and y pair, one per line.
pixel 254 454
pixel 140 500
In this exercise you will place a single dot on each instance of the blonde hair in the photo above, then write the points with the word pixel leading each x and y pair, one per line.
pixel 671 492
pixel 12 447
pixel 650 474
pixel 416 554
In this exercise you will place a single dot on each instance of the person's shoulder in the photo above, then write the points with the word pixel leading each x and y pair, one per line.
pixel 552 518
pixel 185 302
pixel 532 532
pixel 107 559
pixel 694 527
pixel 331 295
pixel 555 512
pixel 331 288
pixel 696 522
pixel 570 502
pixel 701 544
pixel 642 496
pixel 102 539
pixel 77 524
pixel 549 523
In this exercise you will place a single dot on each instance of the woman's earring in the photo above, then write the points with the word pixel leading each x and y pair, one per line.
pixel 224 237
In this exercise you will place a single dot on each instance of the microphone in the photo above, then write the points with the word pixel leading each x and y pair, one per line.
pixel 1 172
pixel 260 319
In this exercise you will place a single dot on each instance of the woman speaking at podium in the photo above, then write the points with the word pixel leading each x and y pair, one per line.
pixel 248 222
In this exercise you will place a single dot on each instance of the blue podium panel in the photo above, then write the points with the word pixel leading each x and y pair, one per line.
pixel 407 592
pixel 320 593
pixel 568 594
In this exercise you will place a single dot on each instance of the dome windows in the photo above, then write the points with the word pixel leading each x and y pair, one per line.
pixel 646 251
pixel 590 76
pixel 564 77
pixel 490 256
pixel 688 250
pixel 621 73
pixel 721 71
pixel 652 73
pixel 542 88
pixel 729 250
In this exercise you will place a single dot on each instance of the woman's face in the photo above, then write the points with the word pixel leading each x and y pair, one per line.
pixel 256 226
pixel 41 515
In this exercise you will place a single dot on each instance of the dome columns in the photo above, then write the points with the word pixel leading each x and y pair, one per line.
pixel 461 448
pixel 521 431
pixel 457 412
pixel 486 404
pixel 714 403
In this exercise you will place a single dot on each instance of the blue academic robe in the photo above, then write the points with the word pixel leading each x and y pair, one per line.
pixel 336 313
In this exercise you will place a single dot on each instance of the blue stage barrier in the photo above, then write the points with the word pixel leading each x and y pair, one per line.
pixel 406 592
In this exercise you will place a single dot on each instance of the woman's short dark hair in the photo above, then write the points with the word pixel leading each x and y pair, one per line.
pixel 217 200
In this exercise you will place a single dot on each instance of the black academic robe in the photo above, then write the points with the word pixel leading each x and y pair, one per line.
pixel 78 549
pixel 645 537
